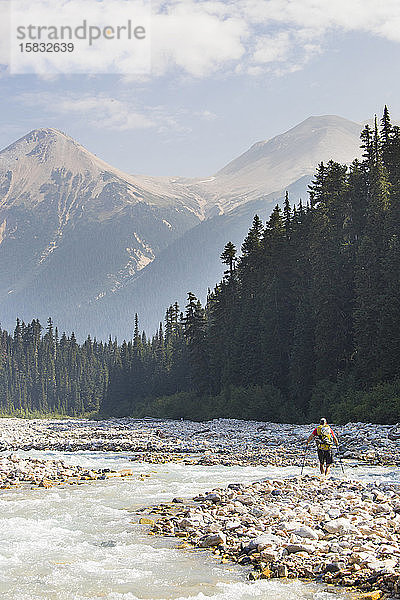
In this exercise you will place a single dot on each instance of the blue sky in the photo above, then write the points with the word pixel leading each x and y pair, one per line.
pixel 224 75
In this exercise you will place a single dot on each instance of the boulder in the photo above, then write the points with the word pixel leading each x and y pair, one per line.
pixel 269 555
pixel 146 521
pixel 334 567
pixel 216 498
pixel 294 548
pixel 339 526
pixel 282 571
pixel 265 540
pixel 234 524
pixel 188 523
pixel 257 511
pixel 306 532
pixel 212 540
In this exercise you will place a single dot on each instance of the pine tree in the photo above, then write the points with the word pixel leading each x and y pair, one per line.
pixel 228 257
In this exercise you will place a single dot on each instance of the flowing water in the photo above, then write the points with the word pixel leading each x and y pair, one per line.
pixel 83 542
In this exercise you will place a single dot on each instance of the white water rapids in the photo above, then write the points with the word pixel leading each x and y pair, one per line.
pixel 82 542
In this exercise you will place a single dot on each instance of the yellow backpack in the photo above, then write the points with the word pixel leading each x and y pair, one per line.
pixel 324 437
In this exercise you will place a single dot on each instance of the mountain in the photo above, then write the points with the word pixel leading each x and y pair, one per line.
pixel 285 159
pixel 89 245
pixel 269 165
pixel 73 227
pixel 193 261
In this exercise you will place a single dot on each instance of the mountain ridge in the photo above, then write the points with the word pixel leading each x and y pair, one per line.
pixel 75 231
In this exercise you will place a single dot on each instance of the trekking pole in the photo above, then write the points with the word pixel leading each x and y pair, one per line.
pixel 304 460
pixel 340 461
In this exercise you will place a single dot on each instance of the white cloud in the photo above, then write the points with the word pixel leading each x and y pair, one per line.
pixel 253 36
pixel 102 36
pixel 108 112
pixel 272 48
pixel 102 110
pixel 200 38
pixel 112 113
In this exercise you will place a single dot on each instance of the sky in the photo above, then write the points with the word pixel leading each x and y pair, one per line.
pixel 223 75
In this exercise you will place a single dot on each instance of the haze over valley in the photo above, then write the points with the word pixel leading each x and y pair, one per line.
pixel 90 246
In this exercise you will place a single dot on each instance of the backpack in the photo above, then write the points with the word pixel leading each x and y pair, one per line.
pixel 324 437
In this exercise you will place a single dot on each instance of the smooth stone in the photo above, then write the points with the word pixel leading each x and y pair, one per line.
pixel 340 525
pixel 294 548
pixel 213 540
pixel 306 532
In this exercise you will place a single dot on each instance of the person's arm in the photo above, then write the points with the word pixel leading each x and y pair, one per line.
pixel 311 436
pixel 335 438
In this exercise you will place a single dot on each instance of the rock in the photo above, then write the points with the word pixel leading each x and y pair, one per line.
pixel 334 567
pixel 213 498
pixel 370 595
pixel 294 548
pixel 269 555
pixel 382 508
pixel 246 500
pixel 306 532
pixel 45 483
pixel 231 525
pixel 146 521
pixel 394 434
pixel 235 486
pixel 257 512
pixel 212 540
pixel 188 523
pixel 282 571
pixel 265 540
pixel 254 575
pixel 338 526
pixel 266 573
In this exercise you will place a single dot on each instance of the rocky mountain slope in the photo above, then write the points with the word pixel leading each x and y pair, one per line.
pixel 73 227
pixel 90 245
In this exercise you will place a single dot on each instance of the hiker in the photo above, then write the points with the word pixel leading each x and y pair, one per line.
pixel 325 438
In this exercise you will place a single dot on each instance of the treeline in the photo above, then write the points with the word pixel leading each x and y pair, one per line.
pixel 44 374
pixel 305 321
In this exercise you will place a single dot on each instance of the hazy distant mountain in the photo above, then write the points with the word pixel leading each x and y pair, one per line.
pixel 74 228
pixel 191 263
pixel 268 165
pixel 90 245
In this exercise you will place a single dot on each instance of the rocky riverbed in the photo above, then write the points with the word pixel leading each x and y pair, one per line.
pixel 332 531
pixel 341 532
pixel 17 471
pixel 221 441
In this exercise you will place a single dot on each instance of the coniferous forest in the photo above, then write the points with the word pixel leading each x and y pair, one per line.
pixel 306 321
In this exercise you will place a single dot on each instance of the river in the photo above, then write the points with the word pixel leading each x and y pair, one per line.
pixel 84 542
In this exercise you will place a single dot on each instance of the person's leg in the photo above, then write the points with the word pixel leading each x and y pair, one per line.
pixel 328 461
pixel 321 461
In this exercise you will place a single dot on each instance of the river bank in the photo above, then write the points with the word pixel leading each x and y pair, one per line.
pixel 17 471
pixel 223 441
pixel 83 542
pixel 345 533
pixel 332 531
